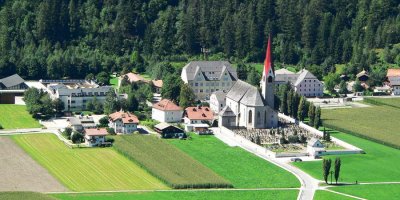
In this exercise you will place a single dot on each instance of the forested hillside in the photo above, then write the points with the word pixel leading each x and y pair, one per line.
pixel 72 38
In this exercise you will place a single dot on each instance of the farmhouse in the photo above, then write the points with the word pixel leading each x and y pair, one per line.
pixel 252 108
pixel 76 93
pixel 95 136
pixel 315 147
pixel 303 82
pixel 168 131
pixel 10 87
pixel 198 115
pixel 217 101
pixel 166 111
pixel 123 122
pixel 206 77
pixel 393 76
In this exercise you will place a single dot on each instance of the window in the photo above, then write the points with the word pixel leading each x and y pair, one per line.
pixel 258 117
pixel 196 84
pixel 250 117
pixel 201 90
pixel 102 93
pixel 270 79
pixel 212 90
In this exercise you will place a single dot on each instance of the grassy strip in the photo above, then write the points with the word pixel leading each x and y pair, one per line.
pixel 88 169
pixel 168 163
pixel 25 195
pixel 241 168
pixel 392 102
pixel 384 191
pixel 187 195
pixel 15 116
pixel 326 195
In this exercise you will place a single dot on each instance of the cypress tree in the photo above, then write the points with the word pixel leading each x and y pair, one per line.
pixel 338 163
pixel 311 114
pixel 326 167
pixel 317 119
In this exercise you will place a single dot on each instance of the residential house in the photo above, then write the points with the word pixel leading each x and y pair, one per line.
pixel 157 85
pixel 10 87
pixel 393 76
pixel 76 93
pixel 166 111
pixel 217 101
pixel 198 115
pixel 315 147
pixel 80 123
pixel 206 77
pixel 123 122
pixel 363 76
pixel 249 108
pixel 95 136
pixel 303 82
pixel 134 78
pixel 168 131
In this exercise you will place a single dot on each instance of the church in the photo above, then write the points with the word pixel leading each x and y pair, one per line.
pixel 247 107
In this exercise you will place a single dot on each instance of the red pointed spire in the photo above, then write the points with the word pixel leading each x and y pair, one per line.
pixel 268 59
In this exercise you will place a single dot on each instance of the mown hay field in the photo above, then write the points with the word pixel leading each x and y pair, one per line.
pixel 25 195
pixel 87 169
pixel 376 123
pixel 241 168
pixel 168 163
pixel 15 116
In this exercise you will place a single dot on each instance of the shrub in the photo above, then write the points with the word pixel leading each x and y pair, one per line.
pixel 67 133
pixel 111 131
pixel 1 127
pixel 293 139
pixel 103 121
pixel 77 137
pixel 110 139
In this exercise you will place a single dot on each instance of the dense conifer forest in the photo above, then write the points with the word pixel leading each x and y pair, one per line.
pixel 73 38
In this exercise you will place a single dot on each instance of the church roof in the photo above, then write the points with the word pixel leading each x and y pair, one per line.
pixel 268 66
pixel 246 94
pixel 211 70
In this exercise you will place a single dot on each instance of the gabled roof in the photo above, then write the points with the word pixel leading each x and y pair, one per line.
pixel 393 72
pixel 304 74
pixel 268 66
pixel 157 83
pixel 246 94
pixel 362 73
pixel 211 70
pixel 12 80
pixel 166 105
pixel 95 132
pixel 313 142
pixel 132 77
pixel 227 112
pixel 199 113
pixel 283 71
pixel 220 95
pixel 161 126
pixel 126 117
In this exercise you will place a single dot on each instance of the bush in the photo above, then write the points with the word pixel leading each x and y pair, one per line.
pixel 1 127
pixel 111 131
pixel 103 121
pixel 77 137
pixel 110 139
pixel 293 139
pixel 67 133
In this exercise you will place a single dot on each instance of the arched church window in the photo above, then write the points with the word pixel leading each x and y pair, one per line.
pixel 250 117
pixel 269 79
pixel 258 117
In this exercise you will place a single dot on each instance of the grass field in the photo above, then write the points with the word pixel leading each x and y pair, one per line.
pixel 325 195
pixel 188 195
pixel 15 116
pixel 384 191
pixel 378 164
pixel 114 82
pixel 24 195
pixel 167 162
pixel 375 122
pixel 241 168
pixel 393 102
pixel 87 169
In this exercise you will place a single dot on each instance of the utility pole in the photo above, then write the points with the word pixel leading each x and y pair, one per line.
pixel 205 51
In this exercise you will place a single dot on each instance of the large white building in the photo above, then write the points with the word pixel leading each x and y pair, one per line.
pixel 249 108
pixel 166 111
pixel 303 82
pixel 76 93
pixel 206 77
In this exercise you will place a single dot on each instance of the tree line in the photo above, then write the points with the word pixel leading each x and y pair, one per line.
pixel 73 38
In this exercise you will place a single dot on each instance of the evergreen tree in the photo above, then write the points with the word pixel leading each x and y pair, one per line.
pixel 317 119
pixel 187 97
pixel 311 114
pixel 110 104
pixel 302 109
pixel 326 167
pixel 338 164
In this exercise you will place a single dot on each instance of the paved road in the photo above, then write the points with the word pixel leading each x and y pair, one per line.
pixel 308 184
pixel 24 131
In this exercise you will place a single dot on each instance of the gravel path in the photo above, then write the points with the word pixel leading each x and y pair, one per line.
pixel 19 172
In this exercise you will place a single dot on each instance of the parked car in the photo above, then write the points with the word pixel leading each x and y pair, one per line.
pixel 296 159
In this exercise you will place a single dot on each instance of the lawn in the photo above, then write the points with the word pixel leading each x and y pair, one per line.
pixel 378 164
pixel 167 162
pixel 114 81
pixel 393 102
pixel 242 169
pixel 326 195
pixel 87 169
pixel 25 195
pixel 376 123
pixel 187 195
pixel 384 191
pixel 15 116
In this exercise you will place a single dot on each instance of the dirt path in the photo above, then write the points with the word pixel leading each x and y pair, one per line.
pixel 19 172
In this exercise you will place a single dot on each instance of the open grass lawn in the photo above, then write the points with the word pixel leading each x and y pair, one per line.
pixel 188 195
pixel 167 162
pixel 86 169
pixel 393 102
pixel 326 195
pixel 24 195
pixel 114 82
pixel 380 163
pixel 384 191
pixel 15 116
pixel 242 169
pixel 375 122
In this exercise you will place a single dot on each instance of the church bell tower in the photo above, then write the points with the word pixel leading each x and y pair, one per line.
pixel 268 78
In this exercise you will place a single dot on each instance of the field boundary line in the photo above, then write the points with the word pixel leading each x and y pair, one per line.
pixel 174 190
pixel 344 194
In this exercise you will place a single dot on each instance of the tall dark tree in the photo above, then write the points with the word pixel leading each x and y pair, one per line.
pixel 326 168
pixel 338 164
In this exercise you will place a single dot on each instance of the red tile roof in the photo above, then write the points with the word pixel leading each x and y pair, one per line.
pixel 126 117
pixel 393 72
pixel 199 113
pixel 166 104
pixel 157 83
pixel 95 131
